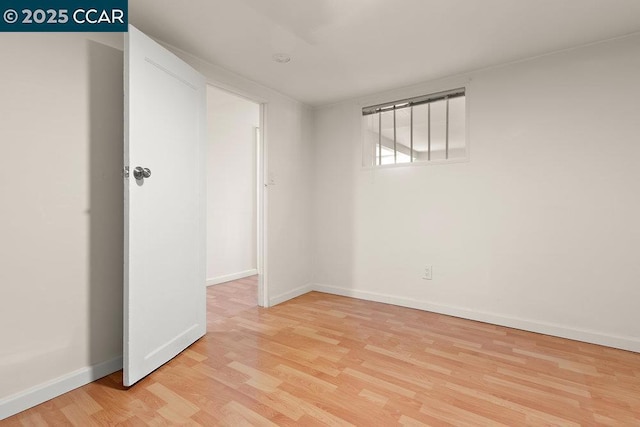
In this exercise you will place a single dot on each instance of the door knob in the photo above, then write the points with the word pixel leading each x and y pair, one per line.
pixel 140 172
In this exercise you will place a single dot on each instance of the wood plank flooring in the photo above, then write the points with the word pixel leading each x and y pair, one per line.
pixel 328 360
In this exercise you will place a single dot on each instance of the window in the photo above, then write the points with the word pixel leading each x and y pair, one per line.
pixel 421 129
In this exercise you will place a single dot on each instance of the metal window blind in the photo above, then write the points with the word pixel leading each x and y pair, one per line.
pixel 418 100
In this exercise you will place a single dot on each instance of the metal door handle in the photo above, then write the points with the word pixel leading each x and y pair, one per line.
pixel 140 172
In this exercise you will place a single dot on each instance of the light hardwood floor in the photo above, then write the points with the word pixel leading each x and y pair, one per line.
pixel 328 360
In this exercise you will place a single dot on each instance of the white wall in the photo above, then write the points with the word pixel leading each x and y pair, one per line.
pixel 61 215
pixel 231 186
pixel 287 129
pixel 539 230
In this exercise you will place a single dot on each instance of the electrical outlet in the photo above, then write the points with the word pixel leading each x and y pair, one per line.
pixel 428 273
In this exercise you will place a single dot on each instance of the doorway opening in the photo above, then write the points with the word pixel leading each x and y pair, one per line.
pixel 235 202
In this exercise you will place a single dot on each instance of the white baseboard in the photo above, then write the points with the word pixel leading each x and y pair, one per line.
pixel 230 277
pixel 593 337
pixel 29 398
pixel 290 294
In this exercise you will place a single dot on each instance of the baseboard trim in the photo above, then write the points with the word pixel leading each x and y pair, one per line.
pixel 29 398
pixel 230 277
pixel 593 337
pixel 301 290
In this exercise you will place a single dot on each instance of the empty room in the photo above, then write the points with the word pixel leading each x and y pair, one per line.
pixel 320 212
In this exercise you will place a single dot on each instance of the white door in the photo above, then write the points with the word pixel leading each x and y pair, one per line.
pixel 164 279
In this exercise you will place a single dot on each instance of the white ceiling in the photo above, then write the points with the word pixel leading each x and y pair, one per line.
pixel 347 48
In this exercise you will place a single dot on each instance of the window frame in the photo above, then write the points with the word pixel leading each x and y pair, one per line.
pixel 402 96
